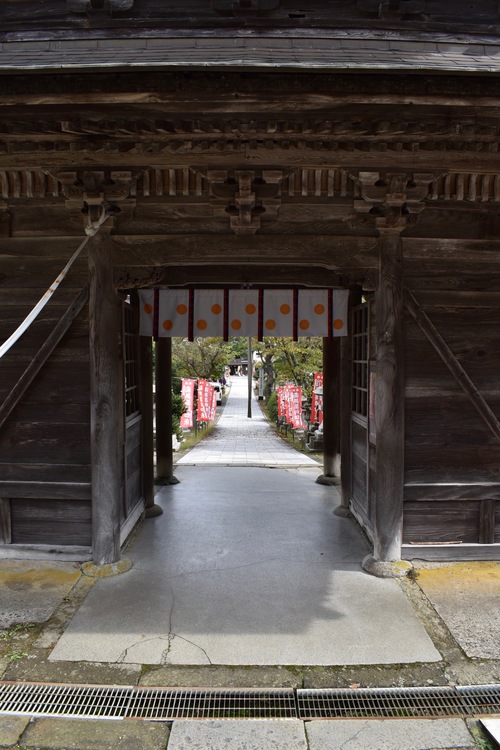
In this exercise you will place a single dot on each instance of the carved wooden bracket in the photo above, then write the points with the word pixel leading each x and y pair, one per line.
pixel 393 199
pixel 245 196
pixel 94 192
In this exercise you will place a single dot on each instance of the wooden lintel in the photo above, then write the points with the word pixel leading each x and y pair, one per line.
pixel 452 363
pixel 449 249
pixel 247 156
pixel 325 251
pixel 219 275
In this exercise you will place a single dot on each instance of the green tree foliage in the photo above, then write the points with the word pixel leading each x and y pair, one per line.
pixel 202 358
pixel 285 360
pixel 178 409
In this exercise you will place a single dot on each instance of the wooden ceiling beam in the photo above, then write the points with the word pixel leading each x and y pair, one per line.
pixel 255 156
pixel 330 252
pixel 232 276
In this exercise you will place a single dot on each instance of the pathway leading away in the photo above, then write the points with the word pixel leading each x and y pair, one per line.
pixel 239 440
pixel 248 565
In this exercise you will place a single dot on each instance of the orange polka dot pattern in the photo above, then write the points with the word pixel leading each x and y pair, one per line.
pixel 308 309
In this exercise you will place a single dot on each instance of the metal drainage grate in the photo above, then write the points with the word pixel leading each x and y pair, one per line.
pixel 168 704
pixel 481 699
pixel 70 701
pixel 161 704
pixel 396 702
pixel 156 703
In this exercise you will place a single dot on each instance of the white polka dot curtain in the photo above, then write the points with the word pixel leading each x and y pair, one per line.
pixel 189 313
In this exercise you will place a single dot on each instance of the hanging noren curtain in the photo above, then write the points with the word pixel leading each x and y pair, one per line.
pixel 189 313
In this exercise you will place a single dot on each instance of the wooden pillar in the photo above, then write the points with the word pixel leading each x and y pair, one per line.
pixel 331 410
pixel 345 406
pixel 163 379
pixel 389 401
pixel 147 437
pixel 106 402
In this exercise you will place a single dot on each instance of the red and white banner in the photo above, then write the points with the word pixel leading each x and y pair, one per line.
pixel 243 312
pixel 290 405
pixel 281 402
pixel 295 400
pixel 317 398
pixel 187 393
pixel 207 401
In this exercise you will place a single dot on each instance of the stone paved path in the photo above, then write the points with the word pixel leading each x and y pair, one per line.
pixel 238 440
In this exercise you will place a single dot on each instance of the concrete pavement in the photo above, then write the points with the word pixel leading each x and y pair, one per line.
pixel 248 579
pixel 246 566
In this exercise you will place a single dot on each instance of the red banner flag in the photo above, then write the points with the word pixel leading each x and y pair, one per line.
pixel 187 393
pixel 295 400
pixel 281 402
pixel 207 401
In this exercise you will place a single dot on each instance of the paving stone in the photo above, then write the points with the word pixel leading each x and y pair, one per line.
pixel 90 734
pixel 393 734
pixel 238 735
pixel 11 728
pixel 31 591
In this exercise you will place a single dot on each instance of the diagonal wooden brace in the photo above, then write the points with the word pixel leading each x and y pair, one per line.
pixel 452 363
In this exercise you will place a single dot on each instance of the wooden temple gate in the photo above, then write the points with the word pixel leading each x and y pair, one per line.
pixel 384 185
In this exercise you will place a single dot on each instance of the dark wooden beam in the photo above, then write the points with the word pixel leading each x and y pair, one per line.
pixel 219 275
pixel 106 402
pixel 262 250
pixel 235 156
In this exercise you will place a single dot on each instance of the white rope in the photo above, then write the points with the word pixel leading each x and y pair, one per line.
pixel 91 231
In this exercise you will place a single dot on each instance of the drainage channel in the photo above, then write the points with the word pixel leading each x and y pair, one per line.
pixel 169 704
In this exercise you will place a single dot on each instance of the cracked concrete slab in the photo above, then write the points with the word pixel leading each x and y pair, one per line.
pixel 247 566
pixel 393 734
pixel 237 735
pixel 11 728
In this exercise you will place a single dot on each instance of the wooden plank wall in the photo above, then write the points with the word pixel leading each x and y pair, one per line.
pixel 452 460
pixel 133 458
pixel 45 444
